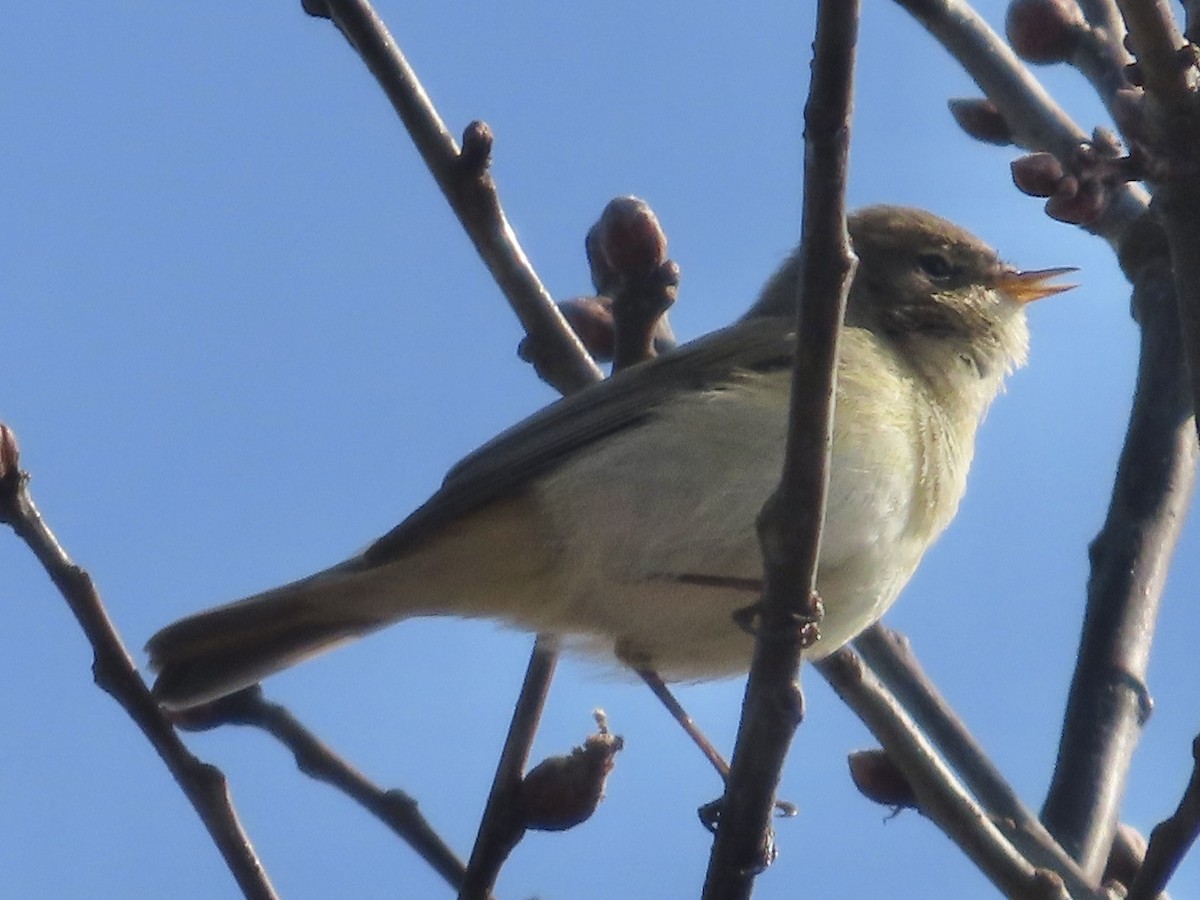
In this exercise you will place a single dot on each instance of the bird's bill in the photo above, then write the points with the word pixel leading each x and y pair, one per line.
pixel 1025 287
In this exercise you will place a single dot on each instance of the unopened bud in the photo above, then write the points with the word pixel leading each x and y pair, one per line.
pixel 1080 207
pixel 628 240
pixel 1038 174
pixel 560 792
pixel 879 779
pixel 1044 31
pixel 981 120
pixel 476 152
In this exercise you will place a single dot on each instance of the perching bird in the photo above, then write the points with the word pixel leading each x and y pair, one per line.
pixel 623 517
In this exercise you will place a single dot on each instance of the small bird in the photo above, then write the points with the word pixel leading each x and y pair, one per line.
pixel 623 517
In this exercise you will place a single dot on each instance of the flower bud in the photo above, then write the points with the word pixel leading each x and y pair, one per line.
pixel 1038 174
pixel 560 792
pixel 879 779
pixel 981 120
pixel 1044 31
pixel 627 242
pixel 1080 207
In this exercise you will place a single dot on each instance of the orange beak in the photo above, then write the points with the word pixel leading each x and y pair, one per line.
pixel 1025 287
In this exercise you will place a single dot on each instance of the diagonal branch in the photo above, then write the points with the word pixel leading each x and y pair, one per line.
pixel 790 524
pixel 892 661
pixel 115 674
pixel 939 793
pixel 395 808
pixel 502 826
pixel 1036 121
pixel 464 179
pixel 1171 839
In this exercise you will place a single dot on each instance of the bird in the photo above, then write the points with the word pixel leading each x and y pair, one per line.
pixel 622 517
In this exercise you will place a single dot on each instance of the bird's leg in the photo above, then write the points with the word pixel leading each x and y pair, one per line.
pixel 708 813
pixel 654 681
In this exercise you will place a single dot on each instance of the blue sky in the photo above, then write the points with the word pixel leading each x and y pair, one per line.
pixel 244 336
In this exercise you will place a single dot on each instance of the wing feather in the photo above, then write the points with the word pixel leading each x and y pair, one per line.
pixel 506 464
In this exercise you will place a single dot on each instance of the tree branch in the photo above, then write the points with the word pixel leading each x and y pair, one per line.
pixel 1036 121
pixel 1130 555
pixel 395 808
pixel 939 793
pixel 790 524
pixel 892 661
pixel 115 674
pixel 464 179
pixel 1172 141
pixel 1109 701
pixel 1171 839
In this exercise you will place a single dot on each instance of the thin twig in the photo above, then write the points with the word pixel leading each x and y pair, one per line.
pixel 464 179
pixel 395 808
pixel 114 672
pixel 790 523
pixel 501 826
pixel 1171 839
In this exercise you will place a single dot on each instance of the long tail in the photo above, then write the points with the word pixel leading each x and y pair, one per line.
pixel 214 653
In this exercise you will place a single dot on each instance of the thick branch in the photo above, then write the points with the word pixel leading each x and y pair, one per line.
pixel 790 524
pixel 1109 700
pixel 1173 142
pixel 1154 478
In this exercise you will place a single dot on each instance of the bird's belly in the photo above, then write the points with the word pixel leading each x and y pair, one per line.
pixel 657 559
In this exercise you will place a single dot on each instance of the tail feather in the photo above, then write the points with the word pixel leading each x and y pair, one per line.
pixel 214 653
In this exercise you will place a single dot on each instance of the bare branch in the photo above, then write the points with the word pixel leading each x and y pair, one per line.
pixel 502 826
pixel 790 524
pixel 892 661
pixel 1036 121
pixel 939 793
pixel 396 809
pixel 1171 75
pixel 464 179
pixel 115 674
pixel 1130 555
pixel 1171 839
pixel 1109 701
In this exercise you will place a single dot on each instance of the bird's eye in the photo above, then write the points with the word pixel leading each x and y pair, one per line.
pixel 935 266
